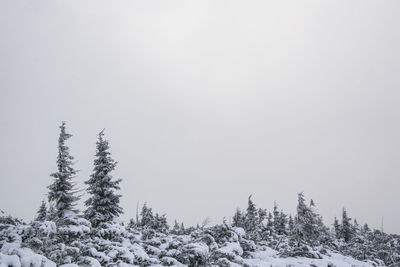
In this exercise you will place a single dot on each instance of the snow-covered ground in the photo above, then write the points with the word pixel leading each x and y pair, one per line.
pixel 25 257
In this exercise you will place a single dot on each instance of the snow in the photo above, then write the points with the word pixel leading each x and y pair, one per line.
pixel 269 258
pixel 9 260
pixel 232 248
pixel 240 231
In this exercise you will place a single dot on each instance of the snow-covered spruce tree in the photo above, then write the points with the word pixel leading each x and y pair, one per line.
pixel 251 220
pixel 280 221
pixel 347 230
pixel 61 244
pixel 160 223
pixel 150 221
pixel 131 224
pixel 306 229
pixel 270 223
pixel 238 219
pixel 275 212
pixel 336 228
pixel 147 216
pixel 175 228
pixel 262 215
pixel 281 226
pixel 290 225
pixel 62 192
pixel 42 212
pixel 103 203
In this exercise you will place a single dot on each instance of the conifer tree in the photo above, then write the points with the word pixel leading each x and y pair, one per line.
pixel 176 227
pixel 262 215
pixel 42 212
pixel 283 220
pixel 131 224
pixel 290 224
pixel 103 203
pixel 238 219
pixel 346 226
pixel 336 228
pixel 276 217
pixel 306 222
pixel 147 216
pixel 62 192
pixel 160 223
pixel 251 216
pixel 270 223
pixel 365 228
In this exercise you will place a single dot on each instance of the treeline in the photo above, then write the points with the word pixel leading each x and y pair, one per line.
pixel 63 234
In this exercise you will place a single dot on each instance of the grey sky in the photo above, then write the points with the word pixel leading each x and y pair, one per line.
pixel 207 102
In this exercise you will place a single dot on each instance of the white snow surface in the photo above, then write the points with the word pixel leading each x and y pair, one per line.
pixel 269 258
pixel 24 257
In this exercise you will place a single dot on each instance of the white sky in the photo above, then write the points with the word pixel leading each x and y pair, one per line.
pixel 207 102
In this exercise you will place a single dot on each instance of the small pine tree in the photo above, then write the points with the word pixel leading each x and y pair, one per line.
pixel 131 224
pixel 160 223
pixel 176 228
pixel 147 216
pixel 290 224
pixel 262 215
pixel 42 212
pixel 103 204
pixel 306 228
pixel 251 218
pixel 238 219
pixel 336 228
pixel 276 217
pixel 283 220
pixel 270 223
pixel 346 226
pixel 365 229
pixel 62 192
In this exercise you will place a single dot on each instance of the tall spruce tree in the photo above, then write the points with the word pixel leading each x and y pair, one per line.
pixel 62 193
pixel 103 203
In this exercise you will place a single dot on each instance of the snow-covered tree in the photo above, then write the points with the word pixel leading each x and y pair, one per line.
pixel 251 217
pixel 282 222
pixel 347 230
pixel 306 227
pixel 290 225
pixel 270 223
pixel 62 193
pixel 262 215
pixel 131 224
pixel 153 221
pixel 146 216
pixel 41 214
pixel 238 219
pixel 276 216
pixel 337 228
pixel 160 223
pixel 103 203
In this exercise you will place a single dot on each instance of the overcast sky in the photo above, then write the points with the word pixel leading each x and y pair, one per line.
pixel 207 102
